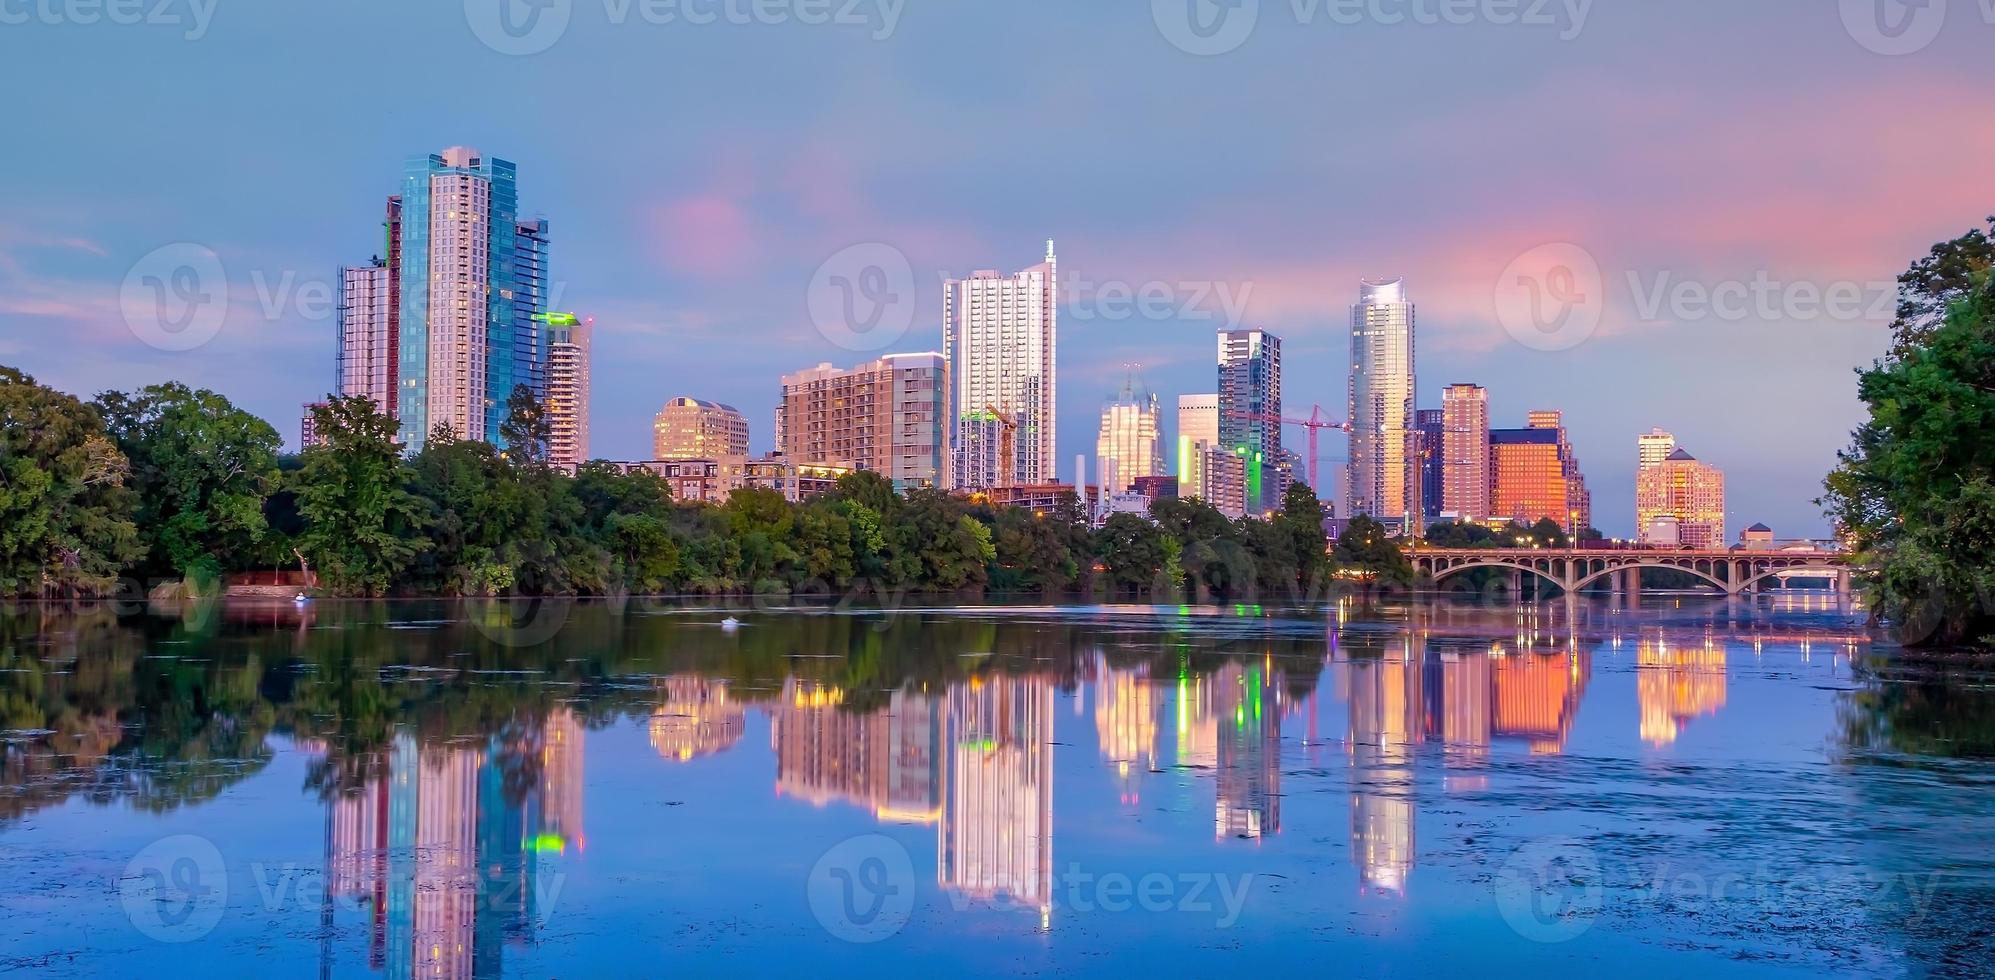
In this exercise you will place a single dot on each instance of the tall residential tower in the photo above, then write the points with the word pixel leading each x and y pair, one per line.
pixel 1381 404
pixel 999 336
pixel 1250 408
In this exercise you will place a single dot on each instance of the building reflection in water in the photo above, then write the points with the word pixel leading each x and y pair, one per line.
pixel 695 717
pixel 996 838
pixel 1247 705
pixel 1462 696
pixel 1676 684
pixel 886 760
pixel 1386 721
pixel 443 848
pixel 1125 723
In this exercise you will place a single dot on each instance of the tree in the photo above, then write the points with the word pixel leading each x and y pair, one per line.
pixel 1135 553
pixel 201 469
pixel 1952 272
pixel 65 512
pixel 1915 491
pixel 1300 523
pixel 1547 533
pixel 527 429
pixel 1463 534
pixel 362 526
pixel 1365 551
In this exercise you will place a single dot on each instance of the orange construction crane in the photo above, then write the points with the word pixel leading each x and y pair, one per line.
pixel 1315 423
pixel 1007 446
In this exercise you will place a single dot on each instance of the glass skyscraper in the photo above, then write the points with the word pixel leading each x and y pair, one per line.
pixel 472 279
pixel 1381 404
pixel 1250 408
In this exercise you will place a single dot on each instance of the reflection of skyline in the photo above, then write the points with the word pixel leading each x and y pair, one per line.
pixel 1675 685
pixel 695 717
pixel 996 838
pixel 444 846
pixel 1125 723
pixel 1386 721
pixel 886 760
pixel 1246 702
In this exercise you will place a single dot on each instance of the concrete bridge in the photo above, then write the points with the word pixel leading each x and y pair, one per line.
pixel 1733 571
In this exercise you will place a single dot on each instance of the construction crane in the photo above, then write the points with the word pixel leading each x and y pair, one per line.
pixel 1315 423
pixel 1007 446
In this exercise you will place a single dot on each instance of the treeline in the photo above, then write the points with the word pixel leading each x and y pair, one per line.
pixel 1915 490
pixel 174 484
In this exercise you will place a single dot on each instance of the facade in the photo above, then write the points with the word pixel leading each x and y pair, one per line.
pixel 1381 403
pixel 1250 408
pixel 1156 487
pixel 1465 454
pixel 472 279
pixel 1687 489
pixel 1128 446
pixel 367 336
pixel 1528 476
pixel 1198 431
pixel 1430 426
pixel 1223 481
pixel 1653 447
pixel 568 391
pixel 1579 502
pixel 713 480
pixel 1759 537
pixel 689 428
pixel 1000 338
pixel 887 416
pixel 308 427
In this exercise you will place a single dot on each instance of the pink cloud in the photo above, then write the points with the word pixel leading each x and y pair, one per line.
pixel 708 236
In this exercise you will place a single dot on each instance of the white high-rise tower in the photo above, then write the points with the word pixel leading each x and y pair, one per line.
pixel 1381 404
pixel 999 334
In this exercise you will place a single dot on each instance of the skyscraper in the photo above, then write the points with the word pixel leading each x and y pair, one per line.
pixel 568 341
pixel 1684 488
pixel 688 428
pixel 1579 502
pixel 1198 431
pixel 1533 476
pixel 1381 402
pixel 1128 444
pixel 1250 408
pixel 1465 452
pixel 472 278
pixel 999 336
pixel 1653 447
pixel 884 416
pixel 1430 426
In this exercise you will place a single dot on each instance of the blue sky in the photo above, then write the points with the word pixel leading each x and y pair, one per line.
pixel 697 177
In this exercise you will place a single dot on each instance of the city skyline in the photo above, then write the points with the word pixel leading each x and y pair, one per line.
pixel 687 237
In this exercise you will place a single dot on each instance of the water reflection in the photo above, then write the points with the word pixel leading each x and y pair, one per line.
pixel 451 767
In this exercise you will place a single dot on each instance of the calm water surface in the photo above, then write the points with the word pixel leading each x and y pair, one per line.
pixel 1693 786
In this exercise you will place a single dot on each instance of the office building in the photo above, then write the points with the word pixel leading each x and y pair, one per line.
pixel 1128 445
pixel 1579 502
pixel 1429 428
pixel 1381 403
pixel 887 416
pixel 1000 336
pixel 1250 408
pixel 1465 455
pixel 1683 489
pixel 690 428
pixel 1653 447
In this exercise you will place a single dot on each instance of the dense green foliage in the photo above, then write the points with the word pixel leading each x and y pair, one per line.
pixel 200 470
pixel 1915 491
pixel 169 483
pixel 65 512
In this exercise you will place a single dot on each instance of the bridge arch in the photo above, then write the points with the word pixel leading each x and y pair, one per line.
pixel 1811 569
pixel 1499 563
pixel 1593 577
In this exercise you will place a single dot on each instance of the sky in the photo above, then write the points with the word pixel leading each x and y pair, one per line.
pixel 1685 215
